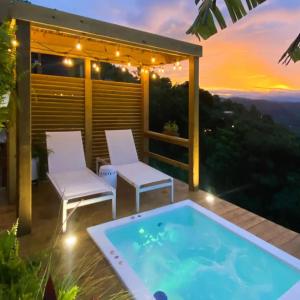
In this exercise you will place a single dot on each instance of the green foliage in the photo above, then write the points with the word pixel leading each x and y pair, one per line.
pixel 7 67
pixel 210 16
pixel 19 278
pixel 23 279
pixel 292 53
pixel 171 128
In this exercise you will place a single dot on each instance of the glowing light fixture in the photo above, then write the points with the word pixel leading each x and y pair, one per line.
pixel 68 62
pixel 118 53
pixel 153 60
pixel 94 65
pixel 177 64
pixel 78 46
pixel 154 76
pixel 210 198
pixel 123 69
pixel 70 241
pixel 15 43
pixel 129 64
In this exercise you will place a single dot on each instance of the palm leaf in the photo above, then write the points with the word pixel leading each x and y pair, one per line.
pixel 204 26
pixel 209 16
pixel 292 53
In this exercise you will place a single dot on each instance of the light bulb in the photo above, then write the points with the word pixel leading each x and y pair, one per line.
pixel 129 64
pixel 154 76
pixel 142 70
pixel 123 69
pixel 118 53
pixel 97 69
pixel 174 67
pixel 146 71
pixel 94 66
pixel 153 60
pixel 14 42
pixel 180 67
pixel 177 63
pixel 78 46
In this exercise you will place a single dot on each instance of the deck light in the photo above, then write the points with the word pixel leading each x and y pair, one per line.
pixel 15 43
pixel 78 46
pixel 210 198
pixel 70 240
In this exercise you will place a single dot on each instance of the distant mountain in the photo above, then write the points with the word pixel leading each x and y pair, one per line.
pixel 285 113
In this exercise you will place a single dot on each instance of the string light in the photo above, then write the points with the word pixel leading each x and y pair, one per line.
pixel 78 46
pixel 68 62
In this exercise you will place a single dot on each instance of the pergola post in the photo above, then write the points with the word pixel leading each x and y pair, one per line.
pixel 12 155
pixel 88 112
pixel 23 71
pixel 145 113
pixel 194 123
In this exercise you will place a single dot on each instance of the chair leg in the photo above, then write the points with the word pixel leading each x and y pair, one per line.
pixel 64 216
pixel 114 206
pixel 137 199
pixel 172 191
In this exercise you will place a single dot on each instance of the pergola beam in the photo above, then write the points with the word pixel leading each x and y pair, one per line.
pixel 94 28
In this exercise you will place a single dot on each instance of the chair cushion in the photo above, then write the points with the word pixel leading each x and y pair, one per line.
pixel 139 174
pixel 77 184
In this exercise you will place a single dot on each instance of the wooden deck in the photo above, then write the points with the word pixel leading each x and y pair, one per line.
pixel 85 256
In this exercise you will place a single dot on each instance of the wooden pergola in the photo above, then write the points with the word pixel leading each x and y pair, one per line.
pixel 93 105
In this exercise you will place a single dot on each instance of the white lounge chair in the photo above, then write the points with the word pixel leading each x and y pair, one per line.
pixel 75 183
pixel 123 156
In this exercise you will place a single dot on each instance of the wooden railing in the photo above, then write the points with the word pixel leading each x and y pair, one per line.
pixel 174 140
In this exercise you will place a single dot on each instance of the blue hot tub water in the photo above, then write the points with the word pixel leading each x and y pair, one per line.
pixel 188 256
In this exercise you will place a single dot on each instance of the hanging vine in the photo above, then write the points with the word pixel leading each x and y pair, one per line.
pixel 8 46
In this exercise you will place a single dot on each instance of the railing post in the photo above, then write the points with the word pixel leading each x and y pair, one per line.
pixel 194 123
pixel 145 113
pixel 23 73
pixel 88 112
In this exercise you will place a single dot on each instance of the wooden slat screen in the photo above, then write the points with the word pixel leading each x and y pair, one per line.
pixel 116 105
pixel 57 105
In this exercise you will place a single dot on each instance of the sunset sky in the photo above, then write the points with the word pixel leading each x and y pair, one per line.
pixel 240 60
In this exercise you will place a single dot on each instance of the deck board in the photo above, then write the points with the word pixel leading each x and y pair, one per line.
pixel 87 256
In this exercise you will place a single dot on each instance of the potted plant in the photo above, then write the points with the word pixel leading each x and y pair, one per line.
pixel 171 128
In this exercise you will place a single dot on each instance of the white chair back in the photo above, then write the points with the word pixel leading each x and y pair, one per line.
pixel 121 147
pixel 65 151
